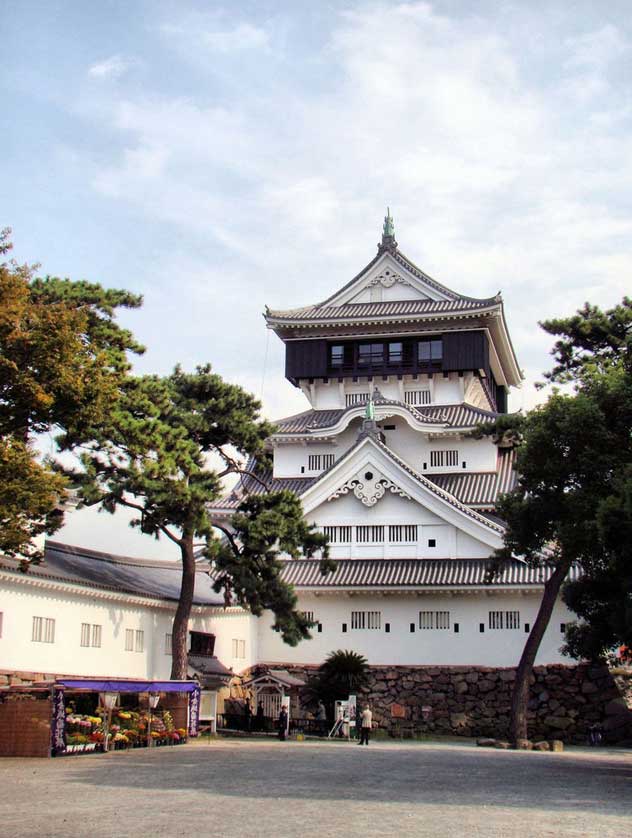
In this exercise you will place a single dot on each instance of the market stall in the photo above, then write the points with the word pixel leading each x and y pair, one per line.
pixel 82 715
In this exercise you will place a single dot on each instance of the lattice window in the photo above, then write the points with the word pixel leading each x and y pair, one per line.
pixel 366 620
pixel 416 397
pixel 168 644
pixel 43 630
pixel 239 648
pixel 434 620
pixel 139 640
pixel 402 534
pixel 85 634
pixel 129 640
pixel 319 462
pixel 373 534
pixel 504 619
pixel 338 535
pixel 356 398
pixel 96 636
pixel 309 615
pixel 444 458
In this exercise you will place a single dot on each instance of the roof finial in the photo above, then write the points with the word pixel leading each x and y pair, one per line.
pixel 388 233
pixel 389 227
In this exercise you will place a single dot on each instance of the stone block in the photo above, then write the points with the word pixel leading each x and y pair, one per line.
pixel 558 722
pixel 458 719
pixel 616 707
pixel 472 677
pixel 486 686
pixel 542 745
pixel 502 746
pixel 523 745
pixel 588 687
pixel 461 687
pixel 556 745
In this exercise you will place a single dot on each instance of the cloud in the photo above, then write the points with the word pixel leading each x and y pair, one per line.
pixel 496 178
pixel 111 68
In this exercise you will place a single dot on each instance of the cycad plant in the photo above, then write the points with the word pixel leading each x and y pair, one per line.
pixel 342 673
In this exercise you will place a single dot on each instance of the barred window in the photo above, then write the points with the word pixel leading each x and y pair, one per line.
pixel 504 619
pixel 417 397
pixel 356 398
pixel 140 640
pixel 319 462
pixel 85 634
pixel 96 636
pixel 129 640
pixel 338 535
pixel 309 615
pixel 444 458
pixel 366 619
pixel 373 534
pixel 168 644
pixel 43 630
pixel 402 534
pixel 434 619
pixel 239 648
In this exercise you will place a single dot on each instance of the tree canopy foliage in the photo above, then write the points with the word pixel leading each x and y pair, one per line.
pixel 62 358
pixel 572 500
pixel 159 453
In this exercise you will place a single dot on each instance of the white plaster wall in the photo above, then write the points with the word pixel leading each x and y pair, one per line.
pixel 392 509
pixel 400 646
pixel 289 459
pixel 20 602
pixel 410 445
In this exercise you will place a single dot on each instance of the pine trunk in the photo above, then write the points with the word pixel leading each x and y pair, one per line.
pixel 520 697
pixel 179 661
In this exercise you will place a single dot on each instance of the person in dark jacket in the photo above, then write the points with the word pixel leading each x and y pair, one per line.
pixel 282 724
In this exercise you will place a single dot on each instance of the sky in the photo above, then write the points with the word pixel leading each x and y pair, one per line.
pixel 218 157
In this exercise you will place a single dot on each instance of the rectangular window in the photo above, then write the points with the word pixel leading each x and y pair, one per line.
pixel 434 619
pixel 43 630
pixel 96 636
pixel 309 615
pixel 366 619
pixel 370 354
pixel 356 398
pixel 319 462
pixel 140 641
pixel 85 634
pixel 338 535
pixel 373 534
pixel 168 644
pixel 336 356
pixel 504 620
pixel 202 643
pixel 430 351
pixel 444 458
pixel 239 648
pixel 402 534
pixel 396 353
pixel 129 640
pixel 417 397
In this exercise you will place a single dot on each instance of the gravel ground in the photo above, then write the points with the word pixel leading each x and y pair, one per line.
pixel 268 788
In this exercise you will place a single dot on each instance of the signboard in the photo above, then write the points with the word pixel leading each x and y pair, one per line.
pixel 285 702
pixel 398 711
pixel 353 710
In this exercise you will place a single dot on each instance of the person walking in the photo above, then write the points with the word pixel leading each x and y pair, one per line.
pixel 366 723
pixel 321 718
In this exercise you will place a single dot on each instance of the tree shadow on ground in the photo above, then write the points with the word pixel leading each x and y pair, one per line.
pixel 414 775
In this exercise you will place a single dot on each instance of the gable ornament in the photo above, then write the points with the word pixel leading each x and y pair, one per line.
pixel 369 489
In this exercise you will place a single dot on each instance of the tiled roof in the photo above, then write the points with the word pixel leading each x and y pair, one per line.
pixel 272 484
pixel 162 580
pixel 393 308
pixel 398 573
pixel 460 415
pixel 480 488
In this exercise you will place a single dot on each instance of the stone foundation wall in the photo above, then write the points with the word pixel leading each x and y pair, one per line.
pixel 475 701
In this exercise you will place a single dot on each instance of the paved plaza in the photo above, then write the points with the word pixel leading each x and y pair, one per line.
pixel 282 790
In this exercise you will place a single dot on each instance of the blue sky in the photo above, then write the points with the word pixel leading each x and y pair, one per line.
pixel 220 157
